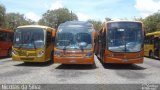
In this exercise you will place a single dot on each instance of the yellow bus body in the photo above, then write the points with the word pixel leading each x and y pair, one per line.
pixel 149 44
pixel 31 54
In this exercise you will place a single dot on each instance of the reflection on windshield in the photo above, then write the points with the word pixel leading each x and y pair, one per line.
pixel 69 38
pixel 29 38
pixel 125 39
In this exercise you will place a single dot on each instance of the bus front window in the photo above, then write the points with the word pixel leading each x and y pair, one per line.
pixel 125 37
pixel 73 38
pixel 29 38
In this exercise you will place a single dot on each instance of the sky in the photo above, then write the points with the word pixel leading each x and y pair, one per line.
pixel 85 9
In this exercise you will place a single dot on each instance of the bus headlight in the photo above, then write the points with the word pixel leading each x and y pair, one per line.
pixel 14 52
pixel 40 53
pixel 57 53
pixel 89 54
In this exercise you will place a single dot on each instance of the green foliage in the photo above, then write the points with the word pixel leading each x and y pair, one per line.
pixel 2 15
pixel 152 22
pixel 108 19
pixel 96 24
pixel 14 20
pixel 53 18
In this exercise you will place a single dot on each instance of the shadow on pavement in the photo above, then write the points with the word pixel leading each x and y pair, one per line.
pixel 122 66
pixel 4 57
pixel 77 66
pixel 153 58
pixel 35 64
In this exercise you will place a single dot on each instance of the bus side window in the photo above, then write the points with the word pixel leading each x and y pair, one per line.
pixel 146 41
pixel 9 37
pixel 151 38
pixel 49 38
pixel 3 36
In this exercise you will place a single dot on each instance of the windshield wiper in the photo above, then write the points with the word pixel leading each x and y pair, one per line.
pixel 81 48
pixel 33 43
pixel 64 49
pixel 20 46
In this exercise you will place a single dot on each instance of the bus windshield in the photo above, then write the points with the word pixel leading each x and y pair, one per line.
pixel 125 36
pixel 29 38
pixel 73 37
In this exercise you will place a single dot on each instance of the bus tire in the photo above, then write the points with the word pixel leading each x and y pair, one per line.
pixel 93 65
pixel 150 54
pixel 9 54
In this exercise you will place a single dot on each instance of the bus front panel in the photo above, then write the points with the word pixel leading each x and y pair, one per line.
pixel 124 42
pixel 30 45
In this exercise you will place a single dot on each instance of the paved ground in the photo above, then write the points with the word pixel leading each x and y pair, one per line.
pixel 21 73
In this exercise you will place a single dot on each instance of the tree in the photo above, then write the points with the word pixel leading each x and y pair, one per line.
pixel 138 19
pixel 152 22
pixel 2 15
pixel 14 20
pixel 53 18
pixel 96 24
pixel 108 19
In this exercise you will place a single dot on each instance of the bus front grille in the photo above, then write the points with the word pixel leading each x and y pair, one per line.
pixel 27 54
pixel 27 58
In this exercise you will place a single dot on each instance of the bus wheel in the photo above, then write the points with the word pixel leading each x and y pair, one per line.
pixel 150 54
pixel 9 53
pixel 93 65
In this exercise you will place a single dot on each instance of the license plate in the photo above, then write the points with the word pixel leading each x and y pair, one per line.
pixel 72 61
pixel 125 60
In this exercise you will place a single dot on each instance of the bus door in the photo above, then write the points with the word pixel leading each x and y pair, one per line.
pixel 156 47
pixel 49 45
pixel 102 42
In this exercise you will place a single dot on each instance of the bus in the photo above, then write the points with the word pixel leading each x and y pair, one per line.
pixel 121 42
pixel 6 38
pixel 33 43
pixel 75 42
pixel 152 45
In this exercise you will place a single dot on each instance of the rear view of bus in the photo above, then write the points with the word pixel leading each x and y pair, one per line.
pixel 6 38
pixel 74 43
pixel 33 43
pixel 121 42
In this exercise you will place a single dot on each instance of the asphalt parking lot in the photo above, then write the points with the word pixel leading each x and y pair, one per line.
pixel 47 73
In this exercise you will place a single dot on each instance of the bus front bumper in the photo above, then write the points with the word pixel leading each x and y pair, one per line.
pixel 74 60
pixel 123 61
pixel 28 59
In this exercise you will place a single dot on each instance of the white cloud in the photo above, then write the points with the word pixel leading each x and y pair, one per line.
pixel 147 7
pixel 82 17
pixel 56 4
pixel 32 16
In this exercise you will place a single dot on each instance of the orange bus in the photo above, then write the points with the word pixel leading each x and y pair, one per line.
pixel 121 42
pixel 33 43
pixel 74 43
pixel 6 37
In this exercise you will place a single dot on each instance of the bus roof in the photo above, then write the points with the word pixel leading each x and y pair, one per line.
pixel 123 21
pixel 153 33
pixel 34 26
pixel 82 23
pixel 5 30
